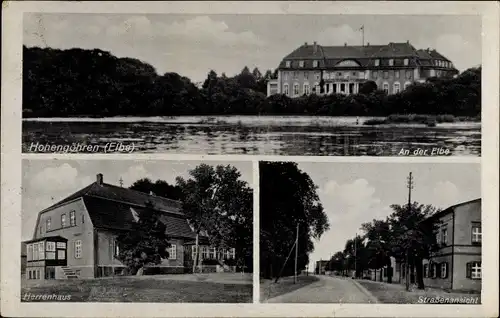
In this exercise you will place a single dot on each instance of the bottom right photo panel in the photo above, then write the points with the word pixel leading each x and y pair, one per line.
pixel 370 232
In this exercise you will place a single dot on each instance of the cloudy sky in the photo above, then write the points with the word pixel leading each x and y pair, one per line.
pixel 191 45
pixel 354 193
pixel 45 182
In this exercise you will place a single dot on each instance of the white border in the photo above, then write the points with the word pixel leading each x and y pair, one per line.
pixel 11 163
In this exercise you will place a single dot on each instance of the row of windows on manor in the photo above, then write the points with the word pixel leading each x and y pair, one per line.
pixel 353 74
pixel 212 253
pixel 476 235
pixel 439 63
pixel 396 88
pixel 64 221
pixel 440 270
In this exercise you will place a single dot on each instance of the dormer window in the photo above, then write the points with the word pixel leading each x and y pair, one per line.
pixel 377 62
pixel 391 62
pixel 315 63
pixel 288 63
pixel 301 63
pixel 406 62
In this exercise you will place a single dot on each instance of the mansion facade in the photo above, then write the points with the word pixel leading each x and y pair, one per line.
pixel 344 69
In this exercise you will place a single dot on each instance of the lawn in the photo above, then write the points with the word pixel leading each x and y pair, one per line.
pixel 269 289
pixel 397 294
pixel 150 289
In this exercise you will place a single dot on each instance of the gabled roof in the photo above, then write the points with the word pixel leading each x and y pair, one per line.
pixel 113 208
pixel 451 209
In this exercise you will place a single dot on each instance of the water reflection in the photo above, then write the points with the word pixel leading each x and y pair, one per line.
pixel 255 139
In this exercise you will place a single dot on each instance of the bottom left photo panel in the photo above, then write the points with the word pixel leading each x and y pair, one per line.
pixel 137 231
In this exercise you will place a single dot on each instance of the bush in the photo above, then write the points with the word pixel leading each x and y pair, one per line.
pixel 375 121
pixel 163 270
pixel 210 261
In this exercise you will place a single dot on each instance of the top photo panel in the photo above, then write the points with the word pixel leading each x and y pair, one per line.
pixel 246 84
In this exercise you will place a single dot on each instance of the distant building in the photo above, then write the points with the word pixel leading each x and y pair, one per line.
pixel 77 237
pixel 343 69
pixel 457 264
pixel 321 267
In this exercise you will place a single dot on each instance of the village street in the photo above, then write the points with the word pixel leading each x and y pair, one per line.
pixel 327 290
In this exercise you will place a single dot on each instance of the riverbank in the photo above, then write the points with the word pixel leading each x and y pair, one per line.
pixel 429 120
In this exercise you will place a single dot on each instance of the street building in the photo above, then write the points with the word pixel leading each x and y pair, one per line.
pixel 344 69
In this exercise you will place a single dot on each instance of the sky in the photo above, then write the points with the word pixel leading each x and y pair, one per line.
pixel 356 193
pixel 46 182
pixel 192 45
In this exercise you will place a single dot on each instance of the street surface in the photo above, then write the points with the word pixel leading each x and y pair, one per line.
pixel 327 290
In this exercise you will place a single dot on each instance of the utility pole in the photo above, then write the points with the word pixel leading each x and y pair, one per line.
pixel 407 265
pixel 296 253
pixel 121 182
pixel 362 29
pixel 356 256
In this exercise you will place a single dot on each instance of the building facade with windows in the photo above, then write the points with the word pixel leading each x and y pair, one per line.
pixel 77 237
pixel 344 69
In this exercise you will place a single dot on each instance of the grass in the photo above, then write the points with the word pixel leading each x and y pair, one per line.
pixel 131 289
pixel 397 294
pixel 269 289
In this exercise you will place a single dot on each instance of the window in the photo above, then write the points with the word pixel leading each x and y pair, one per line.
pixel 326 75
pixel 405 62
pixel 408 74
pixel 29 252
pixel 285 76
pixel 232 253
pixel 78 249
pixel 438 237
pixel 295 89
pixel 213 253
pixel 339 74
pixel 72 218
pixel 354 73
pixel 444 236
pixel 476 234
pixel 474 270
pixel 287 64
pixel 83 218
pixel 391 62
pixel 295 75
pixel 204 252
pixel 51 247
pixel 63 220
pixel 307 89
pixel 407 84
pixel 317 76
pixel 172 254
pixel 386 74
pixel 61 254
pixel 41 250
pixel 50 255
pixel 315 63
pixel 396 88
pixel 386 88
pixel 377 62
pixel 116 249
pixel 434 269
pixel 375 74
pixel 286 91
pixel 342 88
pixel 48 224
pixel 444 270
pixel 301 63
pixel 306 75
pixel 396 74
pixel 317 88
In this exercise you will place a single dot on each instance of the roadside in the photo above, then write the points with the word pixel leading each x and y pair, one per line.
pixel 269 289
pixel 397 294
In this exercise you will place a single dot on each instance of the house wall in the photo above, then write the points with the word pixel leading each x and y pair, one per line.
pixel 460 280
pixel 438 282
pixel 465 215
pixel 82 231
pixel 178 261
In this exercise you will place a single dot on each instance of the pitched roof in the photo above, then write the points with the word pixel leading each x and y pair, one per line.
pixel 451 208
pixel 111 207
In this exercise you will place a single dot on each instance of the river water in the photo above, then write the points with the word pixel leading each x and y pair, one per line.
pixel 252 135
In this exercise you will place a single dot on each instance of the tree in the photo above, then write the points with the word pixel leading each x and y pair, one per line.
pixel 413 236
pixel 368 87
pixel 145 243
pixel 159 188
pixel 379 237
pixel 287 197
pixel 218 202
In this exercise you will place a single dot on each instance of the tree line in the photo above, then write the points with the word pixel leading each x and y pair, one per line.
pixel 214 200
pixel 406 234
pixel 288 198
pixel 78 82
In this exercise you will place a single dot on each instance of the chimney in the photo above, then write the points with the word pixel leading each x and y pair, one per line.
pixel 407 41
pixel 345 43
pixel 315 47
pixel 305 44
pixel 99 179
pixel 367 43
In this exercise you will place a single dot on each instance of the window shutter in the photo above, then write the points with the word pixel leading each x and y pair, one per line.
pixel 468 272
pixel 438 270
